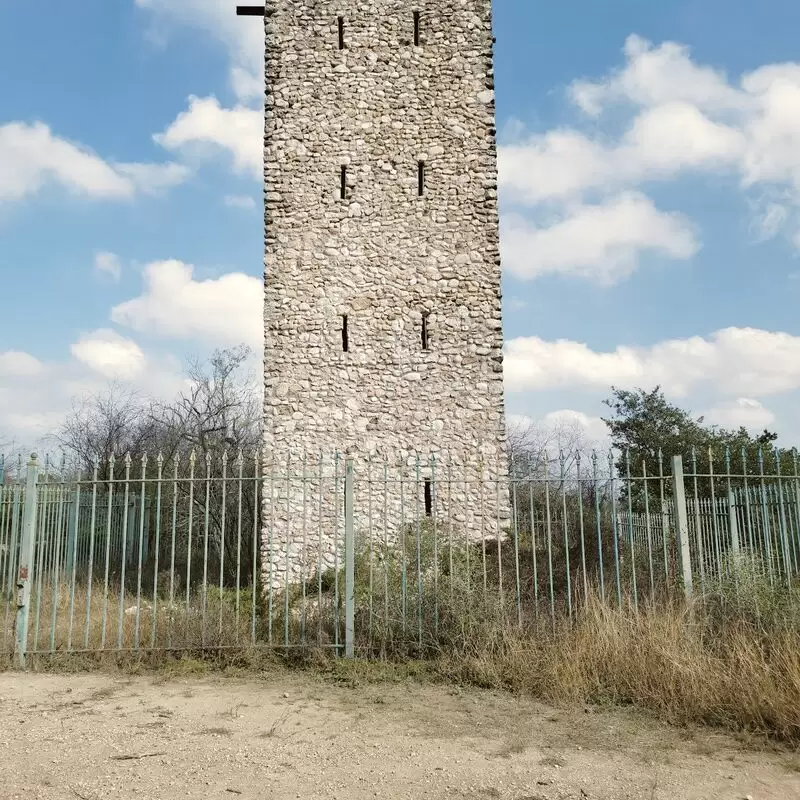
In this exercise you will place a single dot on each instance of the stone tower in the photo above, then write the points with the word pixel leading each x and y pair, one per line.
pixel 383 322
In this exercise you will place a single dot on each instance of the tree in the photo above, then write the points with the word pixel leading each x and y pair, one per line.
pixel 645 425
pixel 214 419
pixel 116 422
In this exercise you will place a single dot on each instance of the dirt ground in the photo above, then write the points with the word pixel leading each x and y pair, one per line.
pixel 95 737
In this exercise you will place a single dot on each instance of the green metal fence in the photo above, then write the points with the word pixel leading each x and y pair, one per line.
pixel 186 554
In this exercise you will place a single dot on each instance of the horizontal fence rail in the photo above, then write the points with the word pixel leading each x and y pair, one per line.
pixel 362 555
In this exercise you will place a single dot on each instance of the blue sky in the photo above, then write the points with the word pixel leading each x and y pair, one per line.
pixel 650 190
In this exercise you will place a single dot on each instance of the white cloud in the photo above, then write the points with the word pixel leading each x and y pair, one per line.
pixel 14 364
pixel 564 164
pixel 247 85
pixel 31 156
pixel 557 165
pixel 224 310
pixel 33 406
pixel 110 355
pixel 679 117
pixel 601 242
pixel 656 75
pixel 206 124
pixel 742 412
pixel 239 201
pixel 108 264
pixel 733 362
pixel 243 37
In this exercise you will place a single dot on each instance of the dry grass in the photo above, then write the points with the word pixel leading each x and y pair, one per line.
pixel 682 666
pixel 59 621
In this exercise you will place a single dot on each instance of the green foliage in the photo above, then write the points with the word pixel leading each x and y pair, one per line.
pixel 645 428
pixel 745 593
pixel 645 422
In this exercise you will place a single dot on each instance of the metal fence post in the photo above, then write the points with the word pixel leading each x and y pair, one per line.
pixel 26 565
pixel 72 532
pixel 682 524
pixel 349 561
pixel 734 524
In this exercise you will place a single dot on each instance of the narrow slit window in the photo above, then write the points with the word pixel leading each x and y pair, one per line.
pixel 345 335
pixel 343 183
pixel 421 178
pixel 428 497
pixel 341 33
pixel 416 28
pixel 425 339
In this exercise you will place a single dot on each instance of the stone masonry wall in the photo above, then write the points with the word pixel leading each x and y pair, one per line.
pixel 367 115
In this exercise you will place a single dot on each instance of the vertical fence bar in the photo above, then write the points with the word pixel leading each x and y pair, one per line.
pixel 734 525
pixel 239 499
pixel 320 479
pixel 140 547
pixel 221 547
pixel 450 522
pixel 418 532
pixel 189 534
pixel 257 459
pixel 549 530
pixel 497 531
pixel 598 519
pixel 698 532
pixel 581 527
pixel 26 565
pixel 336 555
pixel 765 517
pixel 13 503
pixel 796 532
pixel 565 524
pixel 304 554
pixel 386 553
pixel 614 529
pixel 403 554
pixel 648 529
pixel 349 562
pixel 434 520
pixel 159 478
pixel 206 523
pixel 287 564
pixel 46 511
pixel 515 523
pixel 630 527
pixel 72 545
pixel 664 516
pixel 748 512
pixel 173 537
pixel 270 547
pixel 109 508
pixel 714 520
pixel 124 552
pixel 682 524
pixel 787 558
pixel 55 587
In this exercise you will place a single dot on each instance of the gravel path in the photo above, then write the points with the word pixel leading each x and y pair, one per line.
pixel 95 737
